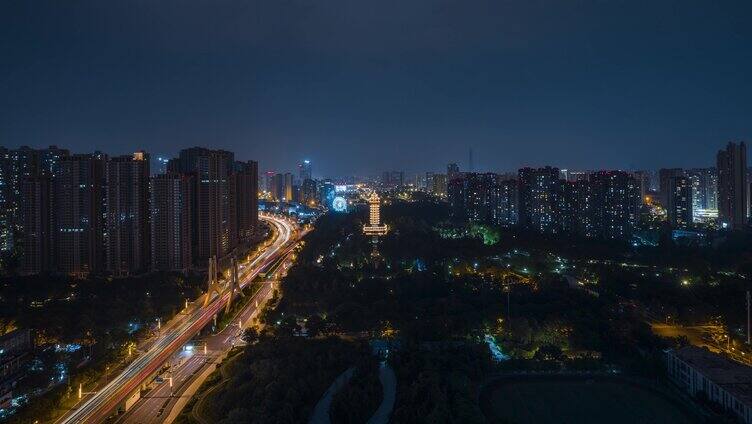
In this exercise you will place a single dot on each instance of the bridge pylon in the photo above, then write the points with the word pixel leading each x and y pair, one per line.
pixel 234 284
pixel 213 281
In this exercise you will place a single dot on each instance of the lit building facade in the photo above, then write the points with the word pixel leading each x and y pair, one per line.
pixel 704 183
pixel 374 227
pixel 540 199
pixel 327 193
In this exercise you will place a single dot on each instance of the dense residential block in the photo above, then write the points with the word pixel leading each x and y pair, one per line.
pixel 171 224
pixel 540 199
pixel 732 185
pixel 37 232
pixel 78 195
pixel 128 228
pixel 246 195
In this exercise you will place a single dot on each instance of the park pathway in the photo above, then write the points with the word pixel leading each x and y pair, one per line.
pixel 389 388
pixel 321 411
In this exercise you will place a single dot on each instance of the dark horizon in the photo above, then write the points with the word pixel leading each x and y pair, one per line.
pixel 361 88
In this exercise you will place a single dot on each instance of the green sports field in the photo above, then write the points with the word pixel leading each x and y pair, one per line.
pixel 579 401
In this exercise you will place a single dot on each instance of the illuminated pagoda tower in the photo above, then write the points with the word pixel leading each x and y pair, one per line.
pixel 374 228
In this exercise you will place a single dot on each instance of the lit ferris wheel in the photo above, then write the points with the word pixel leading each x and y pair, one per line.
pixel 339 204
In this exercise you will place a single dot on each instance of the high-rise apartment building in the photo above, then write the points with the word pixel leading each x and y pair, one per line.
pixel 327 193
pixel 617 196
pixel 732 185
pixel 483 198
pixel 127 208
pixel 278 187
pixel 246 195
pixel 305 169
pixel 439 185
pixel 48 159
pixel 704 183
pixel 504 200
pixel 679 207
pixel 579 215
pixel 664 180
pixel 78 218
pixel 643 181
pixel 214 214
pixel 36 211
pixel 171 222
pixel 289 191
pixel 15 166
pixel 393 179
pixel 309 192
pixel 453 171
pixel 540 197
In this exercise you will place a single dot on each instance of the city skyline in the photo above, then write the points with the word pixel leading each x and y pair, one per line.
pixel 424 211
pixel 521 84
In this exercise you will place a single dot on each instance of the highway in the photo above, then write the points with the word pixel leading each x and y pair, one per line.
pixel 156 405
pixel 101 404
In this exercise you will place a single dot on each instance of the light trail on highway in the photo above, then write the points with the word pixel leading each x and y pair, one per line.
pixel 104 401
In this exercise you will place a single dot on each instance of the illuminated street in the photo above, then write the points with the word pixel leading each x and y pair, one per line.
pixel 99 405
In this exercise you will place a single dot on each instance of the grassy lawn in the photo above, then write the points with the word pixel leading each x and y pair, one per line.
pixel 579 401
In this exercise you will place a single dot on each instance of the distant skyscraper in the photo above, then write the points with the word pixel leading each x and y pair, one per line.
pixel 269 183
pixel 309 192
pixel 171 243
pixel 246 194
pixel 278 187
pixel 327 193
pixel 305 170
pixel 453 171
pixel 643 181
pixel 439 185
pixel 288 187
pixel 78 195
pixel 704 192
pixel 127 187
pixel 664 178
pixel 732 185
pixel 159 164
pixel 393 179
pixel 679 206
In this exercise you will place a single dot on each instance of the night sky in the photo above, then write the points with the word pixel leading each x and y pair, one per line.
pixel 361 87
